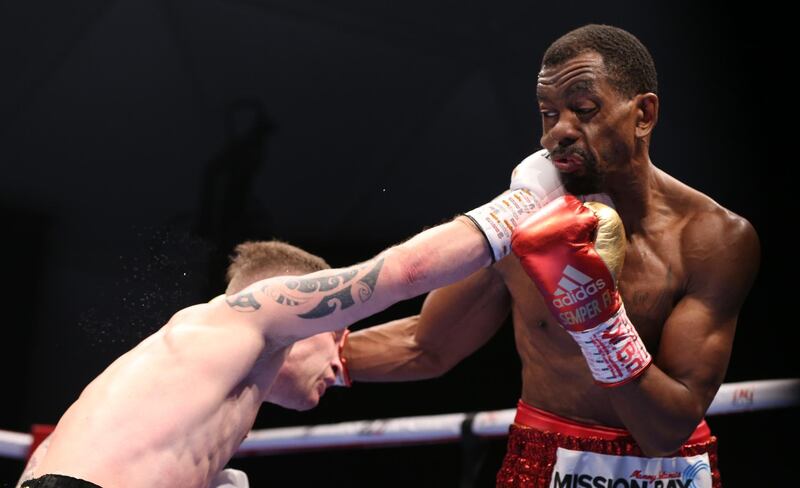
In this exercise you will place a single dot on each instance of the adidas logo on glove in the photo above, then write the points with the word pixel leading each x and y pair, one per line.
pixel 575 287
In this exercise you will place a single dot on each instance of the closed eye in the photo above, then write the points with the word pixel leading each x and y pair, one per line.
pixel 584 110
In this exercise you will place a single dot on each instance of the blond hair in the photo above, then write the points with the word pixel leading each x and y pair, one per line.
pixel 258 260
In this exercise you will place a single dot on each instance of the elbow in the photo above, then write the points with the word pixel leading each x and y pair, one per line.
pixel 429 358
pixel 434 365
pixel 411 270
pixel 666 443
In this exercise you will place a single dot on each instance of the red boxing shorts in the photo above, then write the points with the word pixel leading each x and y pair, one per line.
pixel 545 450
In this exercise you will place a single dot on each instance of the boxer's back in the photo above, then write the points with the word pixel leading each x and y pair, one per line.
pixel 137 413
pixel 653 280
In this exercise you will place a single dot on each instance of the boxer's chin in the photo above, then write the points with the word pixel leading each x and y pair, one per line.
pixel 311 400
pixel 304 404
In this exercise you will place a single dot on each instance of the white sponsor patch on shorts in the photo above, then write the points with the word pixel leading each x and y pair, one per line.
pixel 579 469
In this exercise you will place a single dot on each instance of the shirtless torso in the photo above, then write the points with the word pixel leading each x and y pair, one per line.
pixel 663 260
pixel 153 433
pixel 174 409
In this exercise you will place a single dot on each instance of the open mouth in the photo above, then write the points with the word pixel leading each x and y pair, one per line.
pixel 568 164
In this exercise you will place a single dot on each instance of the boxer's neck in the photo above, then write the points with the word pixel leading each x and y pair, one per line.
pixel 634 192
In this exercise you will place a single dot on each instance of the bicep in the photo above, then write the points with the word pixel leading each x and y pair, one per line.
pixel 697 338
pixel 696 345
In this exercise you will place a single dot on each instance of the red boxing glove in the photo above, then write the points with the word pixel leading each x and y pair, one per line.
pixel 343 375
pixel 572 253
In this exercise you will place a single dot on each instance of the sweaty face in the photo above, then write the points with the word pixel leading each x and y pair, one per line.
pixel 587 126
pixel 310 367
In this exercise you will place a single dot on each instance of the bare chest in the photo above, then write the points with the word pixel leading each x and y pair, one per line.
pixel 651 283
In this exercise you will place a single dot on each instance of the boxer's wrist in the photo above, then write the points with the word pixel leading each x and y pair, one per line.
pixel 613 350
pixel 343 375
pixel 498 218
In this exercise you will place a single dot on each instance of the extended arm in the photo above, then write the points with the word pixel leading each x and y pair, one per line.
pixel 295 307
pixel 291 308
pixel 454 322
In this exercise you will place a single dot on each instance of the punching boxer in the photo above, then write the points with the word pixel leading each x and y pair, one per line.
pixel 173 410
pixel 689 265
pixel 255 261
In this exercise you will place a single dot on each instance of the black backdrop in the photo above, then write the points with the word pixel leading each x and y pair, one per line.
pixel 140 140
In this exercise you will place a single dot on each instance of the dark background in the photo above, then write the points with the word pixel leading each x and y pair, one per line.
pixel 139 140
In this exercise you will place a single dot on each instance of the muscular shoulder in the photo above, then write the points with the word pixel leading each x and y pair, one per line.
pixel 720 251
pixel 711 232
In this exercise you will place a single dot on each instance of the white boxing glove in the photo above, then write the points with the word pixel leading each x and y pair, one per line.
pixel 538 174
pixel 534 183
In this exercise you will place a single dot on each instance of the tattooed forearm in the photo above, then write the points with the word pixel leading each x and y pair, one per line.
pixel 282 298
pixel 321 283
pixel 344 297
pixel 243 302
pixel 366 285
pixel 341 296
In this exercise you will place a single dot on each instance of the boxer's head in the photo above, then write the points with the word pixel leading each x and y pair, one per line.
pixel 254 261
pixel 309 369
pixel 312 363
pixel 597 95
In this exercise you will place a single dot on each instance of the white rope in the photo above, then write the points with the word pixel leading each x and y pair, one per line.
pixel 731 398
pixel 755 395
pixel 14 444
pixel 362 433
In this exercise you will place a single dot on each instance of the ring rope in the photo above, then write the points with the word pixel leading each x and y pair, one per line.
pixel 434 429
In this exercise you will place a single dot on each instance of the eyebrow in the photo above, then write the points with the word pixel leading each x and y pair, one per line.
pixel 582 86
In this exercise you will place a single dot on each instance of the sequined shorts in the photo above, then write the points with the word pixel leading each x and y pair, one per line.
pixel 545 450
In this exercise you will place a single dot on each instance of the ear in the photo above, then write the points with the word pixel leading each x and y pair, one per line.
pixel 646 113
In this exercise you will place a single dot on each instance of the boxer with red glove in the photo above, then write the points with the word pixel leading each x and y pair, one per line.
pixel 574 253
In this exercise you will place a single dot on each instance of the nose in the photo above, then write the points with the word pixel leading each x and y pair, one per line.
pixel 563 133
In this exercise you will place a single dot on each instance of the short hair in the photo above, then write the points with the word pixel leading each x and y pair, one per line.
pixel 258 260
pixel 630 66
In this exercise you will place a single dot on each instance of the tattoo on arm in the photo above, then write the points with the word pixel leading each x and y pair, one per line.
pixel 341 296
pixel 243 302
pixel 322 283
pixel 295 291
